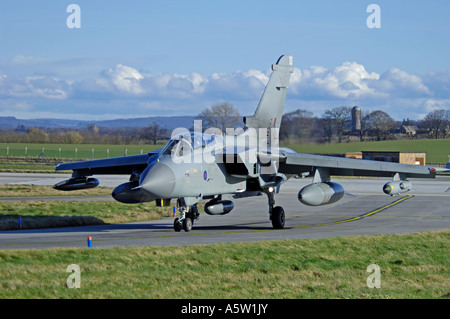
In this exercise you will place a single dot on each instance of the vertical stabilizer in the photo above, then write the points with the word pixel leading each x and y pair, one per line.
pixel 270 108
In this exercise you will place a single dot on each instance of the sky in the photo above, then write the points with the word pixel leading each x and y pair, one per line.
pixel 141 58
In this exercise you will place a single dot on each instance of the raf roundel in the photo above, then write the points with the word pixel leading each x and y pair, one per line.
pixel 205 175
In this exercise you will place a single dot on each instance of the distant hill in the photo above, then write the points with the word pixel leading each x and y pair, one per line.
pixel 171 122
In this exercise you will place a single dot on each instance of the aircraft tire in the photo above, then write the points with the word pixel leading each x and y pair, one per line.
pixel 187 224
pixel 177 226
pixel 278 217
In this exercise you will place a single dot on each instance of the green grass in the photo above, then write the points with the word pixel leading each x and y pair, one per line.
pixel 412 266
pixel 437 150
pixel 9 190
pixel 27 167
pixel 47 214
pixel 84 151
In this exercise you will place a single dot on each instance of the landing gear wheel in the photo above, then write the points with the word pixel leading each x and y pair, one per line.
pixel 187 224
pixel 195 215
pixel 278 217
pixel 177 226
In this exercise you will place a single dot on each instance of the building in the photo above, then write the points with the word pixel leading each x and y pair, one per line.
pixel 396 157
pixel 356 120
pixel 409 129
pixel 357 155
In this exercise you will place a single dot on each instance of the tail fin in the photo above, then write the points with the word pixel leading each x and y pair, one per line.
pixel 270 108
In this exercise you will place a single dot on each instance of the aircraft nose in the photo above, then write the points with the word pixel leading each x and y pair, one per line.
pixel 159 181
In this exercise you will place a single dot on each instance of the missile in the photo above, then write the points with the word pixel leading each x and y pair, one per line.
pixel 219 207
pixel 76 183
pixel 320 194
pixel 397 187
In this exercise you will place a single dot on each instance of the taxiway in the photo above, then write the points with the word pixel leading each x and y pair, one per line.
pixel 363 210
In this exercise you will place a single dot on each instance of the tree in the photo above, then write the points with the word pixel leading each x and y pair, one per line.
pixel 297 124
pixel 155 132
pixel 71 137
pixel 340 118
pixel 36 135
pixel 364 125
pixel 326 124
pixel 221 116
pixel 380 124
pixel 437 123
pixel 93 132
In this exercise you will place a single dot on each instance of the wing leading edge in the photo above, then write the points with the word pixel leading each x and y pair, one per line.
pixel 116 165
pixel 297 163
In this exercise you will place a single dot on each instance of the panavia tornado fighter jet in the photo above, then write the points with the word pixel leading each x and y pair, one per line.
pixel 214 168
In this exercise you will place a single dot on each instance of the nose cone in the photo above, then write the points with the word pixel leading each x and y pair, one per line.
pixel 310 195
pixel 159 181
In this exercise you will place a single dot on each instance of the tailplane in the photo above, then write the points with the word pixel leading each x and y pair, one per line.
pixel 270 108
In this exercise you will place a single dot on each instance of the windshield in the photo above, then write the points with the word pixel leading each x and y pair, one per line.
pixel 181 145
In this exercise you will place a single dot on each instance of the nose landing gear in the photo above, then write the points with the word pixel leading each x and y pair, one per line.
pixel 187 217
pixel 276 214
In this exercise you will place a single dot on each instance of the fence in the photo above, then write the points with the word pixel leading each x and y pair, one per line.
pixel 53 154
pixel 56 154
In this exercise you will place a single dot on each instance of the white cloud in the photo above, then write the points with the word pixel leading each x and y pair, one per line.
pixel 125 79
pixel 430 105
pixel 121 88
pixel 351 81
pixel 398 83
pixel 34 87
pixel 237 85
pixel 439 82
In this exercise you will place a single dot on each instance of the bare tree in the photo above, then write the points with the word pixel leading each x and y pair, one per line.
pixel 36 135
pixel 221 116
pixel 327 126
pixel 380 124
pixel 341 119
pixel 93 131
pixel 437 123
pixel 297 124
pixel 155 132
pixel 364 125
pixel 71 137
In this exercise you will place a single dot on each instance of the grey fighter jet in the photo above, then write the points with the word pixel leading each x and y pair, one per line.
pixel 205 166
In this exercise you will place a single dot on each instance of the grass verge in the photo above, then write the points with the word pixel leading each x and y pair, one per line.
pixel 37 190
pixel 58 213
pixel 437 150
pixel 27 167
pixel 49 214
pixel 412 266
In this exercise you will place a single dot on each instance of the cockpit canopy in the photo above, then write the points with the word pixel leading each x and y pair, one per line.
pixel 185 143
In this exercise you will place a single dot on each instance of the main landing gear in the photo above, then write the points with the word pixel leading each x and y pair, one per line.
pixel 187 217
pixel 189 214
pixel 277 215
